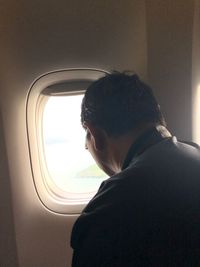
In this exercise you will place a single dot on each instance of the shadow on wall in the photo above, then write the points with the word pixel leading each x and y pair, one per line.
pixel 8 250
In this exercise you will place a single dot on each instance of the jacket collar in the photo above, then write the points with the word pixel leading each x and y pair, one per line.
pixel 152 136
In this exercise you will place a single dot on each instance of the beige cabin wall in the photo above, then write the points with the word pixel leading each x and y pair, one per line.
pixel 154 38
pixel 169 67
pixel 8 252
pixel 196 73
pixel 39 37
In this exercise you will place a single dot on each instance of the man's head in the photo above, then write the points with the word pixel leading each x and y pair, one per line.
pixel 119 103
pixel 115 106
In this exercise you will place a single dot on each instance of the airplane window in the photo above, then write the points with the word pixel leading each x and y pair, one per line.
pixel 65 175
pixel 70 167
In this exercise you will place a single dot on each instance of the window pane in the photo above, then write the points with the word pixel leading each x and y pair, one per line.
pixel 70 166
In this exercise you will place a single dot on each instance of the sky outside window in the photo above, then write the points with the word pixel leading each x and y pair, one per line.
pixel 70 166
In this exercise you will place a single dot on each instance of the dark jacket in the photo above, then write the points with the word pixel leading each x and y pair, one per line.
pixel 147 215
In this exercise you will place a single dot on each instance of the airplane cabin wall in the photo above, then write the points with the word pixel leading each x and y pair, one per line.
pixel 8 253
pixel 40 37
pixel 153 38
pixel 169 42
pixel 196 72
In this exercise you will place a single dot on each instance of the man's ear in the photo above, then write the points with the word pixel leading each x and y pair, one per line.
pixel 97 135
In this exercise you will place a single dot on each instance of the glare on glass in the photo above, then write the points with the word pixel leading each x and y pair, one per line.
pixel 70 166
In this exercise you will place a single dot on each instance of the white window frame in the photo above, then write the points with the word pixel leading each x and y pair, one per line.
pixel 51 197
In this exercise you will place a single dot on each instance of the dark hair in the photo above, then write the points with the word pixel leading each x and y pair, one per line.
pixel 119 103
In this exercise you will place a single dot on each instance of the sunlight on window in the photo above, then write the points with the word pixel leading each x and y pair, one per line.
pixel 70 166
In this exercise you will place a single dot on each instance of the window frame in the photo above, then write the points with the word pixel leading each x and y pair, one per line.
pixel 55 199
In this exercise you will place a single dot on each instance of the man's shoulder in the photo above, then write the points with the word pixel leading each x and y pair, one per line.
pixel 169 149
pixel 110 200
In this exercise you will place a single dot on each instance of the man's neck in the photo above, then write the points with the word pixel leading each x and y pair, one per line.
pixel 120 146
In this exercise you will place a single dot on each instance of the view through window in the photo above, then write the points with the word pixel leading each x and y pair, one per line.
pixel 70 166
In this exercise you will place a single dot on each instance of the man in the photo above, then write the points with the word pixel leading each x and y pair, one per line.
pixel 148 212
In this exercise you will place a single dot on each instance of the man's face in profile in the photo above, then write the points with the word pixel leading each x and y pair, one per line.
pixel 97 145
